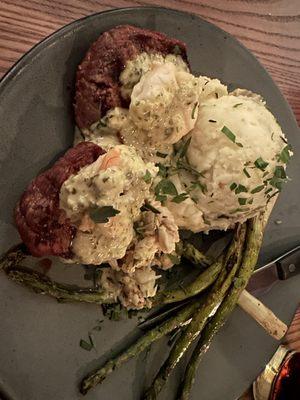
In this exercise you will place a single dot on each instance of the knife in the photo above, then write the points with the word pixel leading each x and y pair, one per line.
pixel 262 280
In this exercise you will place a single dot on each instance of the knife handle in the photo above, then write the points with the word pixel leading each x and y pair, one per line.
pixel 289 265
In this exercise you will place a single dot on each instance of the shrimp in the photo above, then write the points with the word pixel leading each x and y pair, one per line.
pixel 111 159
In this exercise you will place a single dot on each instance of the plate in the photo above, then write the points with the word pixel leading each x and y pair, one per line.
pixel 40 354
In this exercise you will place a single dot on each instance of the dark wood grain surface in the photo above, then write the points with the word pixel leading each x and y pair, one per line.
pixel 269 28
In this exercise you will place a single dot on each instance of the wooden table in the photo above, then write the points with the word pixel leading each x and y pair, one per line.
pixel 269 28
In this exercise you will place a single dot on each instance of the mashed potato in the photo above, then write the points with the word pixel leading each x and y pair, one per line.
pixel 238 148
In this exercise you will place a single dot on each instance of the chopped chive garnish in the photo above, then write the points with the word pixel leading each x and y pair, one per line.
pixel 242 201
pixel 246 173
pixel 161 155
pixel 257 189
pixel 261 164
pixel 161 198
pixel 284 156
pixel 233 186
pixel 212 120
pixel 147 177
pixel 241 189
pixel 228 133
pixel 268 190
pixel 182 151
pixel 148 207
pixel 280 172
pixel 194 110
pixel 236 105
pixel 180 197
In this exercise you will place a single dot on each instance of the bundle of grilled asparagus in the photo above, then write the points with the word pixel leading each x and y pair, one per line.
pixel 212 297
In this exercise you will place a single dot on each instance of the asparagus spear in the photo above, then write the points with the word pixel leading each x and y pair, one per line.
pixel 41 284
pixel 196 256
pixel 253 244
pixel 203 281
pixel 98 376
pixel 200 317
pixel 13 257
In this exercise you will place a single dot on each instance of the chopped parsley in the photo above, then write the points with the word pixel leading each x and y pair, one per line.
pixel 102 214
pixel 268 190
pixel 183 149
pixel 147 177
pixel 161 155
pixel 162 170
pixel 167 187
pixel 257 189
pixel 231 136
pixel 180 198
pixel 261 164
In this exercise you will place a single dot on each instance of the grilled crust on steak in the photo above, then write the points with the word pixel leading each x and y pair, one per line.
pixel 43 226
pixel 97 80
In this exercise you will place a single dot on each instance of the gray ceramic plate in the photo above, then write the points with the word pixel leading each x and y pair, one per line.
pixel 39 338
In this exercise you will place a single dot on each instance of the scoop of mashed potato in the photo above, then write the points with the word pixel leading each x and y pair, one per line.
pixel 235 162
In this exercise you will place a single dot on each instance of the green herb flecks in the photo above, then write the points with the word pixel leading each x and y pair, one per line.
pixel 161 155
pixel 165 186
pixel 261 164
pixel 183 149
pixel 147 177
pixel 148 207
pixel 87 345
pixel 162 170
pixel 231 136
pixel 102 214
pixel 180 198
pixel 194 110
pixel 246 173
pixel 285 156
pixel 241 189
pixel 257 189
pixel 242 201
pixel 280 172
pixel 237 105
pixel 233 186
pixel 212 120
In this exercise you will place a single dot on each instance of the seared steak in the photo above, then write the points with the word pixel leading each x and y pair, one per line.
pixel 42 225
pixel 97 81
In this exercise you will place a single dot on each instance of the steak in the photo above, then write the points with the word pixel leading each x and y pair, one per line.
pixel 97 80
pixel 43 226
